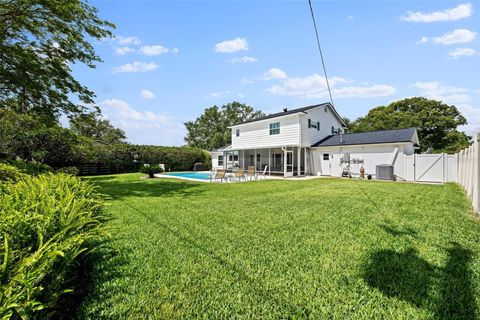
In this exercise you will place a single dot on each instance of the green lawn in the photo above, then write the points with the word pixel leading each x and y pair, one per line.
pixel 323 248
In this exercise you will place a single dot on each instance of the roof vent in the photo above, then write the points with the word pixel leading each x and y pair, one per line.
pixel 285 109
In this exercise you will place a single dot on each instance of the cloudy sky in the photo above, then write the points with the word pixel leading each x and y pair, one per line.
pixel 172 59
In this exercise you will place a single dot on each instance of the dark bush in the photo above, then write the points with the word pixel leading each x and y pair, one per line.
pixel 68 170
pixel 32 168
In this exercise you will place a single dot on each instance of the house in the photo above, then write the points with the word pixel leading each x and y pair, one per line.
pixel 310 141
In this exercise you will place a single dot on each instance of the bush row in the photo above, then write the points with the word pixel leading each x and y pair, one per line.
pixel 174 158
pixel 47 223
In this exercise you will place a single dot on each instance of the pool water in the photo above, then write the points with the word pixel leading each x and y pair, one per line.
pixel 191 175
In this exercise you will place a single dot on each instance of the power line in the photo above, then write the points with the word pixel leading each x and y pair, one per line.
pixel 320 50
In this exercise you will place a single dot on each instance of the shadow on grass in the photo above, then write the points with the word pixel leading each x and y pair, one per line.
pixel 118 189
pixel 397 232
pixel 407 276
pixel 98 267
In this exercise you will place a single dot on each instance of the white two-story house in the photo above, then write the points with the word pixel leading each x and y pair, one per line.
pixel 304 141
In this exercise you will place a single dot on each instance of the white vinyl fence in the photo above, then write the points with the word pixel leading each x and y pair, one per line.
pixel 469 171
pixel 435 168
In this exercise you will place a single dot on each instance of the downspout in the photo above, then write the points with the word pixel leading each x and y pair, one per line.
pixel 394 156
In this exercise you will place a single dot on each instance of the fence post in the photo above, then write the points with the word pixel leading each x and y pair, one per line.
pixel 476 172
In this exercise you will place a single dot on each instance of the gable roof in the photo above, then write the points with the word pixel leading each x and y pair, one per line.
pixel 372 137
pixel 294 111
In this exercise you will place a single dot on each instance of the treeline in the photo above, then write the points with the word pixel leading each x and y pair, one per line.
pixel 29 137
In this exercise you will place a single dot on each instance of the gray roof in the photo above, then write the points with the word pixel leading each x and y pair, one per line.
pixel 292 111
pixel 384 136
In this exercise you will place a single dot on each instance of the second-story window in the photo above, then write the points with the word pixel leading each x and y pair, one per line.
pixel 274 128
pixel 314 125
pixel 237 132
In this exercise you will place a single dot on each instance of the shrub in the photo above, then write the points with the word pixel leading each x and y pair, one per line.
pixel 32 168
pixel 69 170
pixel 151 170
pixel 46 224
pixel 9 173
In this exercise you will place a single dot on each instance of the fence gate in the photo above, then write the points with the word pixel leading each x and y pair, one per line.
pixel 436 168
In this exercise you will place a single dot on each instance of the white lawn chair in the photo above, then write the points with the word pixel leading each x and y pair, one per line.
pixel 263 174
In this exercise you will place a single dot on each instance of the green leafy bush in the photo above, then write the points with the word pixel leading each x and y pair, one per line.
pixel 151 170
pixel 46 224
pixel 32 168
pixel 9 173
pixel 69 170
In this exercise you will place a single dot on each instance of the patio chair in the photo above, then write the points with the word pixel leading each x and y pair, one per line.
pixel 239 173
pixel 251 173
pixel 219 174
pixel 263 174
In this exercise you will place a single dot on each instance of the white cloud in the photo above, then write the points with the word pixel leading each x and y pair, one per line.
pixel 120 110
pixel 144 127
pixel 274 73
pixel 448 94
pixel 244 59
pixel 154 50
pixel 146 94
pixel 123 50
pixel 452 37
pixel 247 80
pixel 227 93
pixel 349 18
pixel 459 52
pixel 459 12
pixel 127 40
pixel 238 44
pixel 315 86
pixel 136 66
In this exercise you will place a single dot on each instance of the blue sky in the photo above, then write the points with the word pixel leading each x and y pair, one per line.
pixel 172 59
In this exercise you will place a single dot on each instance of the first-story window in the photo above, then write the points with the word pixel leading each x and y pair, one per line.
pixel 237 132
pixel 274 128
pixel 220 160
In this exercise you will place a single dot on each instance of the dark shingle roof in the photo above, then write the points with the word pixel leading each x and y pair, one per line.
pixel 384 136
pixel 284 113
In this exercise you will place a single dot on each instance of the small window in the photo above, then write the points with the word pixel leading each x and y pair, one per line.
pixel 230 158
pixel 333 130
pixel 235 157
pixel 258 157
pixel 326 110
pixel 312 124
pixel 274 128
pixel 326 156
pixel 318 126
pixel 220 160
pixel 237 132
pixel 251 160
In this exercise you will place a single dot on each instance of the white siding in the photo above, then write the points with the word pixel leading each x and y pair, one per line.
pixel 257 134
pixel 327 120
pixel 372 155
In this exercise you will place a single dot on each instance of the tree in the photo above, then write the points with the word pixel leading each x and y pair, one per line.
pixel 210 130
pixel 26 136
pixel 91 125
pixel 436 122
pixel 39 41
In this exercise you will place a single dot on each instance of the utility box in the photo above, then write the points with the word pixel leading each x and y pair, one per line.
pixel 384 172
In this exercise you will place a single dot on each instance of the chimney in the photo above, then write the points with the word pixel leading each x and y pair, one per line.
pixel 285 109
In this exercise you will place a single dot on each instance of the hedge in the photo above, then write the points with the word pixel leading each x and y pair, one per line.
pixel 122 157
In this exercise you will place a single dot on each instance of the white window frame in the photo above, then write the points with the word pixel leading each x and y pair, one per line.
pixel 274 128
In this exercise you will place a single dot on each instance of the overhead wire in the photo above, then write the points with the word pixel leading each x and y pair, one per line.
pixel 320 50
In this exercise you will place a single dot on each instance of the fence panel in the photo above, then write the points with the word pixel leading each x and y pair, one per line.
pixel 468 173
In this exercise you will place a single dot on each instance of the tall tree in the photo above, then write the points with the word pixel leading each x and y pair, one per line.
pixel 92 125
pixel 39 41
pixel 436 122
pixel 210 130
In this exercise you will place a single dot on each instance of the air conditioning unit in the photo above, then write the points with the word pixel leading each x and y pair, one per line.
pixel 384 172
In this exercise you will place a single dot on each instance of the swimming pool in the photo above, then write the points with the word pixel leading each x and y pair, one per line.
pixel 205 176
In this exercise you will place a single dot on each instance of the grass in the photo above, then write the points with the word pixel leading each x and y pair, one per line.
pixel 323 248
